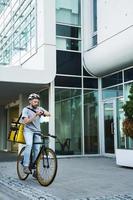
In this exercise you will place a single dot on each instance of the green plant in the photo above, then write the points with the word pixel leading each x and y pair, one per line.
pixel 128 111
pixel 128 106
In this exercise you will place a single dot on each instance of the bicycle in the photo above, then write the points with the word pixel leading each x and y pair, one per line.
pixel 45 163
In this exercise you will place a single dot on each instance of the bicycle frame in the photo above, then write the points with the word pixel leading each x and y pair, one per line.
pixel 42 149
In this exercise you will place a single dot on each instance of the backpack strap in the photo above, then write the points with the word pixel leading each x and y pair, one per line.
pixel 31 109
pixel 19 118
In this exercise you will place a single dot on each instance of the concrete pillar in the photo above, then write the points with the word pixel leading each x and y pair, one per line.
pixel 3 128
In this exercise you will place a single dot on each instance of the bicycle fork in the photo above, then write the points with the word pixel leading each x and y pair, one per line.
pixel 45 158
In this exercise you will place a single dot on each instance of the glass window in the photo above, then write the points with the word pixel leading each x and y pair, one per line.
pixel 113 92
pixel 68 121
pixel 18 31
pixel 85 73
pixel 68 44
pixel 94 40
pixel 68 63
pixel 109 127
pixel 128 75
pixel 90 83
pixel 111 80
pixel 94 15
pixel 68 12
pixel 68 31
pixel 66 81
pixel 91 121
pixel 120 118
pixel 4 4
pixel 129 140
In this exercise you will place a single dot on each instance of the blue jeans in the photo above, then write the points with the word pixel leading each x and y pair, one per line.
pixel 29 138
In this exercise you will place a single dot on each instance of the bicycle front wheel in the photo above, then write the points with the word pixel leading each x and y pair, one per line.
pixel 46 167
pixel 20 166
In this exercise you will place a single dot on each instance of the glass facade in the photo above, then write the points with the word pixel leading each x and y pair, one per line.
pixel 120 117
pixel 68 62
pixel 91 122
pixel 68 121
pixel 116 86
pixel 94 27
pixel 111 80
pixel 3 5
pixel 128 140
pixel 113 92
pixel 109 139
pixel 17 32
pixel 71 86
pixel 68 12
pixel 68 28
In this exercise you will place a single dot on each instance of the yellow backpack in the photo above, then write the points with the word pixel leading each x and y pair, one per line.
pixel 16 132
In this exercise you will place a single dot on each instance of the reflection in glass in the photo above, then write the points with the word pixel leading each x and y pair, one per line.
pixel 66 81
pixel 94 15
pixel 94 40
pixel 109 127
pixel 68 12
pixel 91 121
pixel 120 118
pixel 68 44
pixel 90 83
pixel 113 92
pixel 111 80
pixel 68 121
pixel 128 75
pixel 129 140
pixel 68 31
pixel 17 32
pixel 4 4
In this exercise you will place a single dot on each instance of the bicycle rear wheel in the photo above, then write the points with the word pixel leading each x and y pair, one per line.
pixel 20 166
pixel 46 167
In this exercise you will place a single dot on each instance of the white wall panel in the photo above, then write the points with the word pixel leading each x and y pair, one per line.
pixel 87 24
pixel 113 16
pixel 49 22
pixel 115 38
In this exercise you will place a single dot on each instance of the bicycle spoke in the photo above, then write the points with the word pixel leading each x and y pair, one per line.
pixel 20 167
pixel 46 167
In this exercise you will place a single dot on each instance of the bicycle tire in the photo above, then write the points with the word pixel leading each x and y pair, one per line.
pixel 21 174
pixel 46 157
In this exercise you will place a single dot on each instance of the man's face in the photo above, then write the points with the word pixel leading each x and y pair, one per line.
pixel 34 103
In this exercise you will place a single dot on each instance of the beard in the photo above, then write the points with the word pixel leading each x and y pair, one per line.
pixel 35 106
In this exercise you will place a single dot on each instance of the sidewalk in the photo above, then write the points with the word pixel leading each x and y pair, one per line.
pixel 90 178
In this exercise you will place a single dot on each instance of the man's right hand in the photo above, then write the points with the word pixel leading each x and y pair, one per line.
pixel 39 113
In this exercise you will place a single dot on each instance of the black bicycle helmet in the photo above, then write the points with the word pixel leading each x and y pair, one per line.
pixel 33 96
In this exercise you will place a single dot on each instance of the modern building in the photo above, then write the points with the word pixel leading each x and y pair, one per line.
pixel 77 54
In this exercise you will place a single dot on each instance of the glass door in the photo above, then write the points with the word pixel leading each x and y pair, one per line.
pixel 109 127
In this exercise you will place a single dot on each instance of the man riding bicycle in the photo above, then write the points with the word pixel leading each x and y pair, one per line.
pixel 31 115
